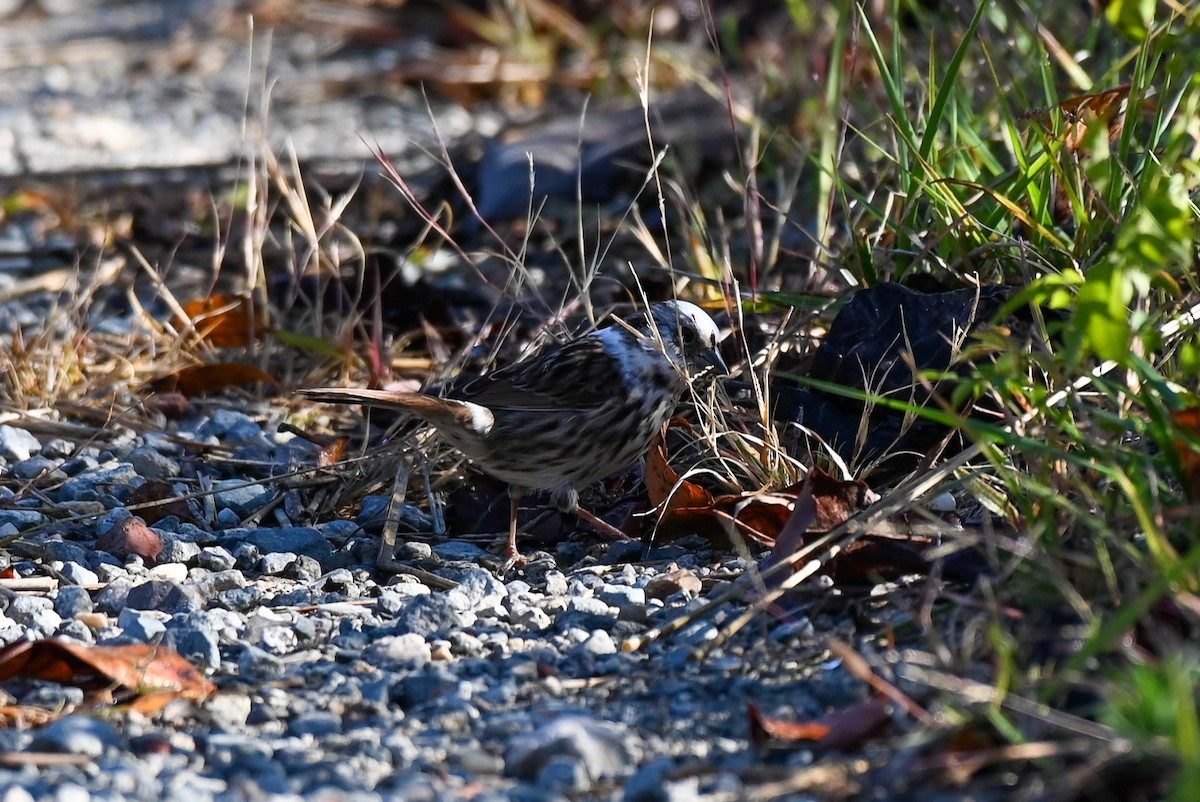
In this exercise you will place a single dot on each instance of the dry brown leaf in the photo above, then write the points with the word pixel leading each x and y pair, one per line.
pixel 196 380
pixel 139 668
pixel 172 406
pixel 333 451
pixel 226 321
pixel 153 492
pixel 1187 421
pixel 843 730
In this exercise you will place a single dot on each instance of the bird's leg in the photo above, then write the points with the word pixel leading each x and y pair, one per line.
pixel 514 557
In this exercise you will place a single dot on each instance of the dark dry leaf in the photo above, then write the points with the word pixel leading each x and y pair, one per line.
pixel 171 405
pixel 156 490
pixel 196 380
pixel 1187 421
pixel 333 451
pixel 843 730
pixel 226 321
pixel 138 668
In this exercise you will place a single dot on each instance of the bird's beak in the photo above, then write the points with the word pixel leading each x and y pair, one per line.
pixel 712 359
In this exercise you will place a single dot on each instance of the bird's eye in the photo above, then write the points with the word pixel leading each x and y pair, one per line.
pixel 689 335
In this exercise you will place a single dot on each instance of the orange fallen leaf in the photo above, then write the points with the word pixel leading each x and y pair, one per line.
pixel 197 380
pixel 1187 422
pixel 140 669
pixel 842 730
pixel 226 321
pixel 333 451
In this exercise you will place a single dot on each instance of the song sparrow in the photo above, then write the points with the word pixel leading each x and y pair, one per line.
pixel 572 414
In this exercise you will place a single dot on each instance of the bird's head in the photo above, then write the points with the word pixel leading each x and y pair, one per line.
pixel 689 337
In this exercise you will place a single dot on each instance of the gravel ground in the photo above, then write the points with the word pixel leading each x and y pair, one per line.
pixel 335 681
pixel 338 683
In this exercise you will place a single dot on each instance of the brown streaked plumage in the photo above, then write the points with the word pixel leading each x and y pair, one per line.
pixel 574 413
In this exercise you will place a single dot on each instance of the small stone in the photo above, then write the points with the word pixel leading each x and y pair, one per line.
pixel 175 549
pixel 17 444
pixel 240 599
pixel 144 626
pixel 72 600
pixel 623 597
pixel 195 638
pixel 599 746
pixel 278 640
pixel 58 448
pixel 296 539
pixel 318 724
pixel 598 644
pixel 42 469
pixel 410 650
pixel 217 582
pixel 256 664
pixel 274 563
pixel 413 550
pixel 77 735
pixel 163 595
pixel 172 572
pixel 228 711
pixel 54 697
pixel 241 497
pixel 151 464
pixel 21 519
pixel 434 614
pixel 216 558
pixel 77 574
pixel 460 551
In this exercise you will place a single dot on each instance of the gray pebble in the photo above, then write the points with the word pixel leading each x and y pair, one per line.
pixel 54 697
pixel 398 650
pixel 58 449
pixel 215 558
pixel 17 444
pixel 144 626
pixel 163 595
pixel 318 724
pixel 174 549
pixel 433 614
pixel 460 551
pixel 21 519
pixel 297 539
pixel 240 497
pixel 278 639
pixel 275 562
pixel 600 746
pixel 598 644
pixel 77 735
pixel 72 600
pixel 38 467
pixel 152 464
pixel 193 636
pixel 66 551
pixel 78 574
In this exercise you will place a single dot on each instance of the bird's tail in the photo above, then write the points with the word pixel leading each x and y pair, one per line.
pixel 438 411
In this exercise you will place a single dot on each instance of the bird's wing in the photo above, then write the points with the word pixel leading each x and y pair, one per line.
pixel 577 375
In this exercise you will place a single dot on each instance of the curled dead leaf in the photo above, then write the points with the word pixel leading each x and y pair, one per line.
pixel 196 380
pixel 226 321
pixel 137 669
